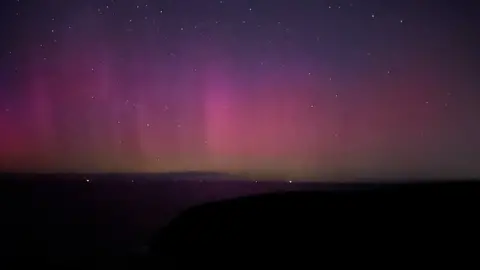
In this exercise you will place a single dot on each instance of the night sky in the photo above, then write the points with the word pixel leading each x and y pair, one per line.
pixel 292 88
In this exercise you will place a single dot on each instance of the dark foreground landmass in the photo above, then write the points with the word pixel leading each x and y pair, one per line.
pixel 64 214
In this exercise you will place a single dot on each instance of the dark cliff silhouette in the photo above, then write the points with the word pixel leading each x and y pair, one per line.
pixel 398 220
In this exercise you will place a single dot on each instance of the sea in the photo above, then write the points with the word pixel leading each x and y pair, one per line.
pixel 107 214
